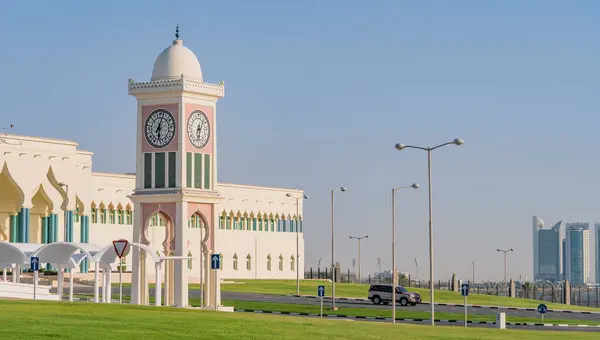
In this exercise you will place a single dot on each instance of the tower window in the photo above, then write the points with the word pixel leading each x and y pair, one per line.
pixel 172 169
pixel 198 170
pixel 159 170
pixel 188 169
pixel 147 170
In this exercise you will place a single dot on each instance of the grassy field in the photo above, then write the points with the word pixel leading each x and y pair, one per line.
pixel 33 320
pixel 285 287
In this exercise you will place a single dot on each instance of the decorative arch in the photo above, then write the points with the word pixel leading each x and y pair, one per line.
pixel 197 220
pixel 280 262
pixel 168 243
pixel 102 213
pixel 42 204
pixel 111 213
pixel 12 194
pixel 120 214
pixel 293 263
pixel 128 215
pixel 269 262
pixel 94 212
pixel 248 262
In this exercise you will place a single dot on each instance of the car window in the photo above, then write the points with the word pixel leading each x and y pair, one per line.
pixel 388 289
pixel 402 290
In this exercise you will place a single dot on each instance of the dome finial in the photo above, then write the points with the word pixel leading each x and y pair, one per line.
pixel 177 31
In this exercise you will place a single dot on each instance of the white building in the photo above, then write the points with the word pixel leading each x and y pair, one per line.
pixel 48 191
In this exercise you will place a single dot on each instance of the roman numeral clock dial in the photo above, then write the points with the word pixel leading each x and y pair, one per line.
pixel 159 128
pixel 198 129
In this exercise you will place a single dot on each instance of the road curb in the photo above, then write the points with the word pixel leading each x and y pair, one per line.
pixel 456 305
pixel 359 317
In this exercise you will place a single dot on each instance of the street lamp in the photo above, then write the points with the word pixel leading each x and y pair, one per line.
pixel 297 238
pixel 400 147
pixel 394 281
pixel 359 238
pixel 505 251
pixel 333 307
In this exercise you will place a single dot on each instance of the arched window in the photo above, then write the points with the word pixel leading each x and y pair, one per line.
pixel 120 216
pixel 196 221
pixel 235 262
pixel 111 216
pixel 190 260
pixel 269 262
pixel 293 263
pixel 128 214
pixel 272 225
pixel 102 215
pixel 94 215
pixel 280 262
pixel 249 262
pixel 260 224
pixel 221 222
pixel 254 224
pixel 77 211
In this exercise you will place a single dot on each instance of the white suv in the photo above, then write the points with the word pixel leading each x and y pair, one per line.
pixel 383 294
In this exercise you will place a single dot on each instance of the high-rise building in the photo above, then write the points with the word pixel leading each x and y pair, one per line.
pixel 547 251
pixel 578 252
pixel 564 259
pixel 597 244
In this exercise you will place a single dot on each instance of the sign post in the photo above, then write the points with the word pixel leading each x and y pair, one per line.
pixel 215 264
pixel 35 266
pixel 464 289
pixel 120 248
pixel 542 309
pixel 321 293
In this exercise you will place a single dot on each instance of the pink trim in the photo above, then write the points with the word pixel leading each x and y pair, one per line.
pixel 174 145
pixel 208 148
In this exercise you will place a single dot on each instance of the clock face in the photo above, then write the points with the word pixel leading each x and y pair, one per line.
pixel 198 129
pixel 159 128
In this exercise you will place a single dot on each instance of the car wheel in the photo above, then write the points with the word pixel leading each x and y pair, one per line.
pixel 403 302
pixel 376 300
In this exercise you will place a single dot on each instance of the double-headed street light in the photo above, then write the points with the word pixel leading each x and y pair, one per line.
pixel 505 251
pixel 297 198
pixel 333 307
pixel 401 147
pixel 394 278
pixel 359 238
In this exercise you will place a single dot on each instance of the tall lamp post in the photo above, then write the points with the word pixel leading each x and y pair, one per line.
pixel 333 307
pixel 394 279
pixel 359 238
pixel 417 265
pixel 505 251
pixel 297 198
pixel 401 147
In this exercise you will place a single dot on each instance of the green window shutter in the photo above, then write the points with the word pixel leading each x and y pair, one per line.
pixel 207 172
pixel 159 170
pixel 172 169
pixel 147 170
pixel 254 224
pixel 188 169
pixel 198 170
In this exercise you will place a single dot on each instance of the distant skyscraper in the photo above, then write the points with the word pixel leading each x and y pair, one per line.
pixel 578 252
pixel 547 251
pixel 597 259
pixel 564 259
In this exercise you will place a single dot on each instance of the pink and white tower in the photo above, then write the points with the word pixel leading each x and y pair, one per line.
pixel 176 172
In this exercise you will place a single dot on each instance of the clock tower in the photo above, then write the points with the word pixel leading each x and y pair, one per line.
pixel 176 173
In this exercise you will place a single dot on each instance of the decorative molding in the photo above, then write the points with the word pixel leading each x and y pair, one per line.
pixel 182 84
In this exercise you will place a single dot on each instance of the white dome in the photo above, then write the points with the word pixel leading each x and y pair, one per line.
pixel 177 60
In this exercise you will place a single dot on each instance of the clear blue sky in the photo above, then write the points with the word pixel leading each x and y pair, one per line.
pixel 326 88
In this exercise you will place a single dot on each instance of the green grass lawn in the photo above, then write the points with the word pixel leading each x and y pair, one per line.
pixel 33 320
pixel 309 287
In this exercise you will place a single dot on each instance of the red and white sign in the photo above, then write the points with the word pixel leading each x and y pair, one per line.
pixel 121 246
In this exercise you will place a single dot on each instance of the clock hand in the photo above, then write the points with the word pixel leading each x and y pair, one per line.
pixel 199 130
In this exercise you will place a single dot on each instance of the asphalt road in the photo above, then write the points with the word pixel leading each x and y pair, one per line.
pixel 364 304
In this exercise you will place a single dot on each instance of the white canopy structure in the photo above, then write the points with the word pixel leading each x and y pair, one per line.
pixel 62 255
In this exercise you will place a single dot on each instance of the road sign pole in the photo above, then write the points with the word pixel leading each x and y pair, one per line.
pixel 322 308
pixel 465 311
pixel 120 282
pixel 35 283
pixel 542 319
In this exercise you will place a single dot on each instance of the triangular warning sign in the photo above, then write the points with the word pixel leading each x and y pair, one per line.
pixel 120 247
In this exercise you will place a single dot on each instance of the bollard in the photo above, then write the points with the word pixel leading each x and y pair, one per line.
pixel 501 320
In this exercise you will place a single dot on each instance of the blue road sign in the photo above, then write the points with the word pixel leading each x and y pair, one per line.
pixel 542 309
pixel 464 289
pixel 215 261
pixel 321 291
pixel 35 264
